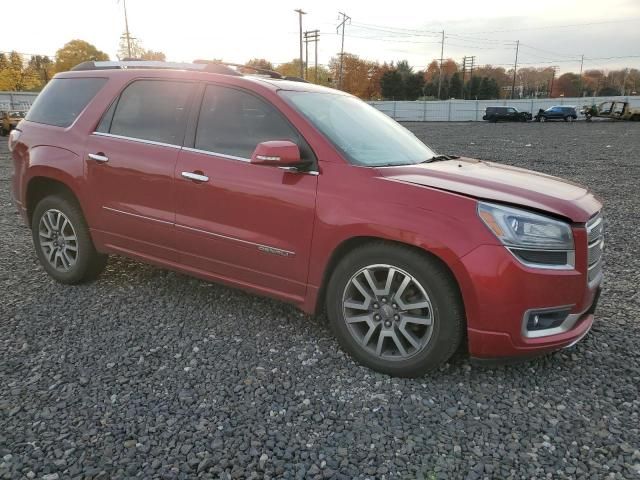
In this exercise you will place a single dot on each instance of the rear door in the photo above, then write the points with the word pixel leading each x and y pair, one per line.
pixel 130 160
pixel 251 224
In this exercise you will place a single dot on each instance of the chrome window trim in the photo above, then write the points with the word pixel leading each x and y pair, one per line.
pixel 224 156
pixel 261 247
pixel 565 326
pixel 216 154
pixel 144 217
pixel 139 140
pixel 571 257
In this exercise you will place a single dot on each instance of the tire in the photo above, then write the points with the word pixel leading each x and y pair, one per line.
pixel 372 339
pixel 543 119
pixel 52 234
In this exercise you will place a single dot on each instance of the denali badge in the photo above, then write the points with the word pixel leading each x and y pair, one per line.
pixel 275 251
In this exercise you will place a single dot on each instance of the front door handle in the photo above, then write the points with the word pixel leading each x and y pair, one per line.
pixel 99 157
pixel 196 177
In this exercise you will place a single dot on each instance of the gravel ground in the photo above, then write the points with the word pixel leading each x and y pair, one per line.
pixel 151 374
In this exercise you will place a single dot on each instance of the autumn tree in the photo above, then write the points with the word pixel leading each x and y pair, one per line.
pixel 42 66
pixel 75 52
pixel 289 69
pixel 153 55
pixel 356 75
pixel 566 85
pixel 261 63
pixel 15 75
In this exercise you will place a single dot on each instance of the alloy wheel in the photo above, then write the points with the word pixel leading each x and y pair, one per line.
pixel 388 312
pixel 58 240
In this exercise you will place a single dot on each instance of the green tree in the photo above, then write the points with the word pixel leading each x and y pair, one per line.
pixel 455 85
pixel 391 85
pixel 75 52
pixel 413 86
pixel 473 87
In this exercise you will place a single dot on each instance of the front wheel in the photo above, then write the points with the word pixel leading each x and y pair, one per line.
pixel 543 119
pixel 395 310
pixel 62 241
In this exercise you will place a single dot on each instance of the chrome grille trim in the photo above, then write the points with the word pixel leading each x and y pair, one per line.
pixel 595 246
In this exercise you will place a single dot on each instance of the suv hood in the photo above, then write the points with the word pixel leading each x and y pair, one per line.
pixel 501 183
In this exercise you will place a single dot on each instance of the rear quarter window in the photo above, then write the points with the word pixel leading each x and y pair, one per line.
pixel 63 99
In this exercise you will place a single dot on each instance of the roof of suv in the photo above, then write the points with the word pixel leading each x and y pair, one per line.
pixel 194 71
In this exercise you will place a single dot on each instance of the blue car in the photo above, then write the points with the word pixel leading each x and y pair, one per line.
pixel 568 114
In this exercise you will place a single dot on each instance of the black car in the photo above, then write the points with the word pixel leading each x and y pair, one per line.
pixel 507 114
pixel 568 114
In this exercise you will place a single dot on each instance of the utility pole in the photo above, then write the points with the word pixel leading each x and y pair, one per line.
pixel 464 68
pixel 345 18
pixel 441 59
pixel 311 36
pixel 467 63
pixel 581 64
pixel 300 13
pixel 515 69
pixel 553 76
pixel 127 35
pixel 315 57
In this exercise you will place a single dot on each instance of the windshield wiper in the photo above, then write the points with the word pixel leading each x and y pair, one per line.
pixel 440 158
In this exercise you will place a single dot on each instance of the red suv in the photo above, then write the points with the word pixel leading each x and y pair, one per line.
pixel 311 196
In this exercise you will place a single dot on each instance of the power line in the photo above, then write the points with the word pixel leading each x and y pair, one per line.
pixel 545 27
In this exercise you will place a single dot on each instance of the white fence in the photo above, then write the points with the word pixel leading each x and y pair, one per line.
pixel 17 100
pixel 473 110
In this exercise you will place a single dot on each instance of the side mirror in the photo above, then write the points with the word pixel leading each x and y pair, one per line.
pixel 279 153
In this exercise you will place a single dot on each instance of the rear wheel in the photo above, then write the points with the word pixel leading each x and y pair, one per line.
pixel 395 310
pixel 62 241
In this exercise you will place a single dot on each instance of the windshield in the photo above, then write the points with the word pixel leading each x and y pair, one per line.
pixel 363 134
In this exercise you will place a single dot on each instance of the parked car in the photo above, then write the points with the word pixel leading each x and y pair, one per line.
pixel 568 114
pixel 9 120
pixel 613 110
pixel 506 114
pixel 311 196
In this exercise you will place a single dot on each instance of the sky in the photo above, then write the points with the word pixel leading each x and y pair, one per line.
pixel 551 32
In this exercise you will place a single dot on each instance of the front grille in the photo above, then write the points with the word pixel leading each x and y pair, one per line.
pixel 595 241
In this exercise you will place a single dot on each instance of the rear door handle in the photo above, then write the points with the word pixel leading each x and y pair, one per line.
pixel 98 157
pixel 196 177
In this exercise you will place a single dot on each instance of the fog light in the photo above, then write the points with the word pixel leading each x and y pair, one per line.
pixel 542 320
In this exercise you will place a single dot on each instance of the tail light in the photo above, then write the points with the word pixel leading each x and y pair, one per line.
pixel 14 136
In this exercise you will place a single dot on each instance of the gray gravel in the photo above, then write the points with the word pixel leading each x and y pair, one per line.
pixel 151 374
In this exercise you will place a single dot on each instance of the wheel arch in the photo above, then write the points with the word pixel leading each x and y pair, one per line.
pixel 41 186
pixel 352 243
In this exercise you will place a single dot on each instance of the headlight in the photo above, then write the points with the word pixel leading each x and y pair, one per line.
pixel 536 240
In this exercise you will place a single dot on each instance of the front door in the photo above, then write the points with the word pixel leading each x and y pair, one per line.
pixel 130 162
pixel 249 224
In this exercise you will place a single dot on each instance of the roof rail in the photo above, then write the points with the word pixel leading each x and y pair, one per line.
pixel 209 66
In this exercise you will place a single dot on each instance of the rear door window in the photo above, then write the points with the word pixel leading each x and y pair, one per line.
pixel 233 122
pixel 63 99
pixel 152 110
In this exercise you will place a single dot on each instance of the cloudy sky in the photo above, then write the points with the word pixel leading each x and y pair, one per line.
pixel 551 32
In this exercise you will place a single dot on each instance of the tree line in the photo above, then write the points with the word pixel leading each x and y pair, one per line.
pixel 366 79
pixel 18 74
